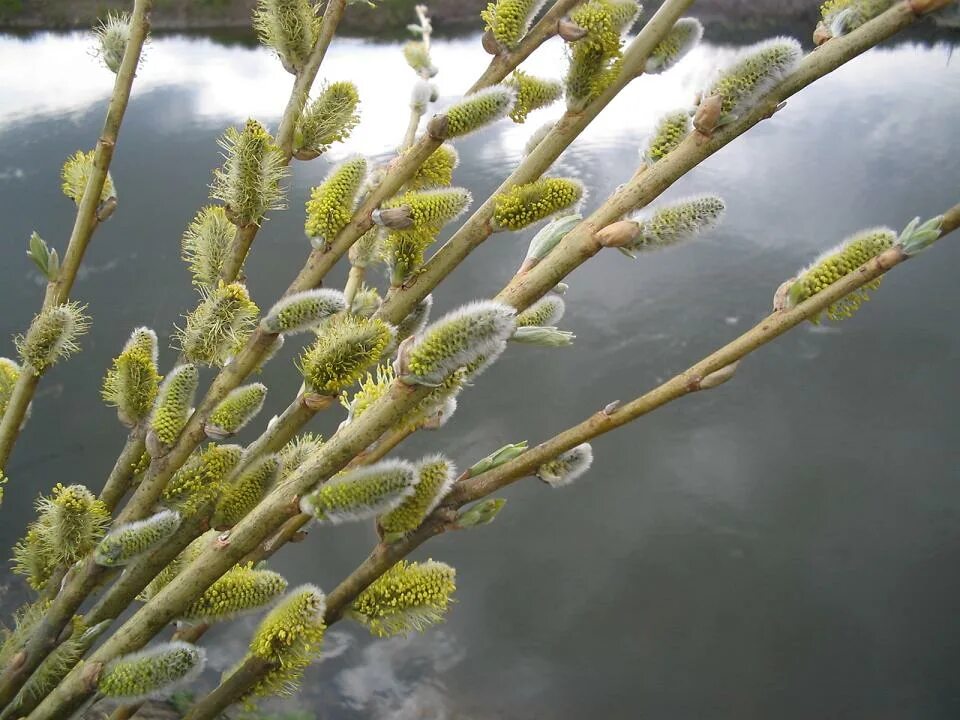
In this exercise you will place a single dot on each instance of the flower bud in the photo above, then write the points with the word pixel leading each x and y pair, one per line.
pixel 567 466
pixel 128 542
pixel 761 67
pixel 476 330
pixel 52 336
pixel 835 264
pixel 676 223
pixel 407 597
pixel 435 475
pixel 548 238
pixel 342 353
pixel 509 20
pixel 432 209
pixel 298 451
pixel 361 493
pixel 200 480
pixel 112 36
pixel 304 311
pixel 478 110
pixel 249 181
pixel 523 205
pixel 681 39
pixel 437 169
pixel 842 16
pixel 289 638
pixel 241 494
pixel 327 120
pixel 364 250
pixel 418 58
pixel 331 203
pixel 239 407
pixel 546 311
pixel 669 132
pixel 594 59
pixel 75 173
pixel 240 590
pixel 172 408
pixel 544 336
pixel 132 382
pixel 219 326
pixel 290 28
pixel 416 321
pixel 152 673
pixel 9 374
pixel 366 301
pixel 537 137
pixel 177 565
pixel 483 513
pixel 533 93
pixel 206 245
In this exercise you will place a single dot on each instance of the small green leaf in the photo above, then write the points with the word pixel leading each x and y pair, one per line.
pixel 483 513
pixel 415 29
pixel 495 459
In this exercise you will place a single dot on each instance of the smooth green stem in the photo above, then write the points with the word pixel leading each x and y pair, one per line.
pixel 400 301
pixel 354 281
pixel 118 482
pixel 239 249
pixel 231 689
pixel 14 416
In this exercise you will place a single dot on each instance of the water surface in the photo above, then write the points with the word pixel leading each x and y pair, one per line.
pixel 783 547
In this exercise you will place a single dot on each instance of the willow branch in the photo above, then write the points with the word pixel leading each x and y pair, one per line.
pixel 58 289
pixel 401 301
pixel 579 245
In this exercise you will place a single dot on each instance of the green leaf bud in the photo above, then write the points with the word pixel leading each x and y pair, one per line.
pixel 52 336
pixel 546 311
pixel 478 329
pixel 75 173
pixel 249 181
pixel 240 590
pixel 435 475
pixel 915 238
pixel 348 346
pixel 761 67
pixel 200 480
pixel 46 260
pixel 479 109
pixel 523 205
pixel 407 597
pixel 9 374
pixel 289 638
pixel 172 408
pixel 544 336
pixel 417 55
pixel 842 16
pixel 361 493
pixel 331 203
pixel 240 494
pixel 669 132
pixel 304 311
pixel 509 20
pixel 132 382
pixel 482 513
pixel 130 541
pixel 533 93
pixel 835 264
pixel 239 407
pixel 547 238
pixel 298 451
pixel 206 244
pixel 151 673
pixel 290 28
pixel 677 223
pixel 437 169
pixel 112 36
pixel 219 326
pixel 682 38
pixel 567 466
pixel 327 120
pixel 498 458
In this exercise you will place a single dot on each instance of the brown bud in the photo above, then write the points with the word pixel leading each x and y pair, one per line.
pixel 708 115
pixel 305 154
pixel 569 30
pixel 618 234
pixel 403 351
pixel 398 218
pixel 215 432
pixel 490 44
pixel 316 401
pixel 106 209
pixel 439 127
pixel 719 377
pixel 90 674
pixel 527 265
pixel 821 34
pixel 780 296
pixel 154 446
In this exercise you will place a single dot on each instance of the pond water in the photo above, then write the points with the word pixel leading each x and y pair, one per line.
pixel 785 546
